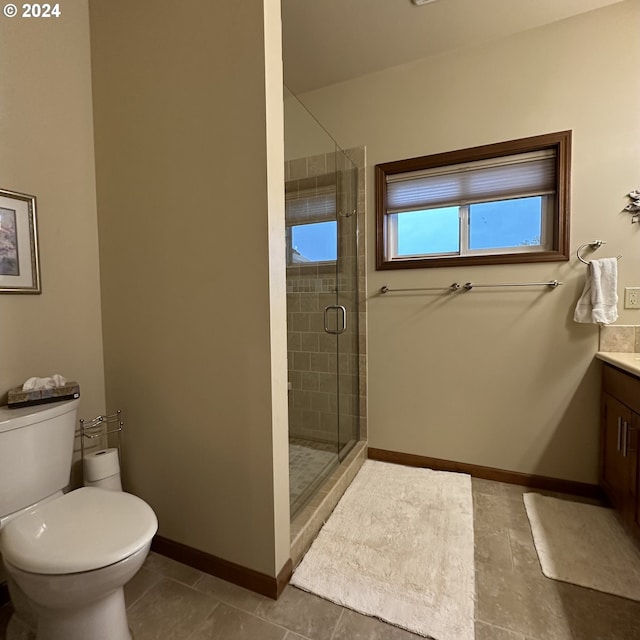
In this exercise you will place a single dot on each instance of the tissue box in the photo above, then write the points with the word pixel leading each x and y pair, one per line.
pixel 19 398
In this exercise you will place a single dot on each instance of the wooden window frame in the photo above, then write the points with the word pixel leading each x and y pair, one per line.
pixel 559 141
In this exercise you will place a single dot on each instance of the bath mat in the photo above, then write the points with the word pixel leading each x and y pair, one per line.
pixel 399 547
pixel 584 545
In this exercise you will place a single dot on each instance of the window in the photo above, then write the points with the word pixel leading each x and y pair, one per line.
pixel 311 224
pixel 495 204
pixel 313 242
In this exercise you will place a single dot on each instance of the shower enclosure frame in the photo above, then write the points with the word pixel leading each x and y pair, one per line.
pixel 323 309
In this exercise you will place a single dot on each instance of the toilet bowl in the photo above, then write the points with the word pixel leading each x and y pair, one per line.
pixel 67 556
pixel 71 556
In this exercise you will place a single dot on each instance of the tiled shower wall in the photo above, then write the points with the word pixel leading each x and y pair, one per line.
pixel 313 361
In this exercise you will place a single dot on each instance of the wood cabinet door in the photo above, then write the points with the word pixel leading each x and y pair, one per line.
pixel 634 470
pixel 614 465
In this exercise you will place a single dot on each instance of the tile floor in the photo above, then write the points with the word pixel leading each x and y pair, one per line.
pixel 169 601
pixel 309 465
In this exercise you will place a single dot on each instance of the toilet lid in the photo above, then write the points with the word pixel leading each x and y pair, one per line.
pixel 86 529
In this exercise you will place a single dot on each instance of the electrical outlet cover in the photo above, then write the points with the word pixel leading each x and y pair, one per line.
pixel 632 298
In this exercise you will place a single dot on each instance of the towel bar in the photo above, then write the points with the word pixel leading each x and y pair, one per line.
pixel 454 287
pixel 470 285
pixel 552 283
pixel 594 244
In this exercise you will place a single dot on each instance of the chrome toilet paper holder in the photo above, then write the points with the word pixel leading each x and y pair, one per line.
pixel 101 427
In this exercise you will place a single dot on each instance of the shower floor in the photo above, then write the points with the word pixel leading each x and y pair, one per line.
pixel 309 464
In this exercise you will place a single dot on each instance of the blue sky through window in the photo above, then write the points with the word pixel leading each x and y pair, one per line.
pixel 430 231
pixel 315 242
pixel 492 225
pixel 509 223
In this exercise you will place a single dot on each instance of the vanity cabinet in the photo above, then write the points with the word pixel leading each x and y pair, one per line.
pixel 619 444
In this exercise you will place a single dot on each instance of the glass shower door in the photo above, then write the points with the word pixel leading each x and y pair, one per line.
pixel 322 316
pixel 347 347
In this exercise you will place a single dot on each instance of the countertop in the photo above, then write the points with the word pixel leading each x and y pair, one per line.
pixel 629 362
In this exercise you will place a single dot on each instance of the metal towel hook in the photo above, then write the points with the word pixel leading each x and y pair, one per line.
pixel 594 244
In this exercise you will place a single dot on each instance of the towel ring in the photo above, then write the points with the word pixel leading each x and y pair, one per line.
pixel 596 244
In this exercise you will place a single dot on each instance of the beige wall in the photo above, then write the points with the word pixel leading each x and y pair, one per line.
pixel 191 239
pixel 277 279
pixel 46 150
pixel 502 378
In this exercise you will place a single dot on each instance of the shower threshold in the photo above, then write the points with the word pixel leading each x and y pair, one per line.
pixel 307 521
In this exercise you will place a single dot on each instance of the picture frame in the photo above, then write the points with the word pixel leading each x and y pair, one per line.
pixel 19 262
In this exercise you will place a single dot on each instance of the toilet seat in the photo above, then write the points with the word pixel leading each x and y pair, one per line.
pixel 86 529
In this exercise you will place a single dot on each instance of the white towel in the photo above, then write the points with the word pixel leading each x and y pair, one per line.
pixel 599 300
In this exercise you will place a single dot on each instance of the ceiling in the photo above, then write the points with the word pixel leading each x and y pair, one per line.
pixel 330 41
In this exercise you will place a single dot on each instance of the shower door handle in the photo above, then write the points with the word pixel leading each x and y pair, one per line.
pixel 341 313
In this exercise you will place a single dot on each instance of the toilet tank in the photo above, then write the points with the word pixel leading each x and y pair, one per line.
pixel 36 450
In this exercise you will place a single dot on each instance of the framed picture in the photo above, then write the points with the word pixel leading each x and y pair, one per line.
pixel 19 265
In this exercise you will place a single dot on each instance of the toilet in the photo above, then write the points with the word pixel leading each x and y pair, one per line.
pixel 67 556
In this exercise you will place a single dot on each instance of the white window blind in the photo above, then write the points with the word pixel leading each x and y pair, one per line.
pixel 519 175
pixel 311 205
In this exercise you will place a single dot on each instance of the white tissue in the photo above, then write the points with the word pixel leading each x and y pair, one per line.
pixel 33 384
pixel 59 380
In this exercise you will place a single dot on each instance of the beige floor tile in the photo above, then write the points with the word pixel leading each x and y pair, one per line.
pixel 492 546
pixel 169 611
pixel 489 632
pixel 520 603
pixel 229 623
pixel 303 613
pixel 229 593
pixel 544 609
pixel 499 511
pixel 5 614
pixel 592 615
pixel 139 585
pixel 479 485
pixel 354 626
pixel 633 628
pixel 524 554
pixel 513 490
pixel 172 569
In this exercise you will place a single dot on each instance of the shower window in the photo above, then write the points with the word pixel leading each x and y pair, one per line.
pixel 311 221
pixel 313 242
